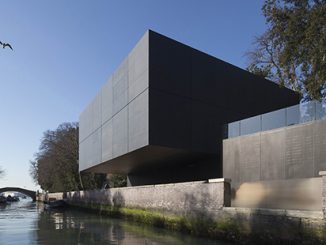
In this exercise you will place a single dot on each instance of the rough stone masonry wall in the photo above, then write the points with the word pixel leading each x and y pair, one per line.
pixel 260 226
pixel 180 198
pixel 323 197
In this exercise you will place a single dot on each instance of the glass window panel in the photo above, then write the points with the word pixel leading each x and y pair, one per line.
pixel 304 112
pixel 250 125
pixel 275 119
pixel 320 110
pixel 307 112
pixel 293 115
pixel 234 129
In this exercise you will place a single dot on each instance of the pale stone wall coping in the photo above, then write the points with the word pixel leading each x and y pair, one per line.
pixel 171 184
pixel 322 173
pixel 219 180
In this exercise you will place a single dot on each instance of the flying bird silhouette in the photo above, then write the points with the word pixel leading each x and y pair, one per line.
pixel 5 45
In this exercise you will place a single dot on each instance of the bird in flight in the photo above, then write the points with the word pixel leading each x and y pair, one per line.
pixel 5 45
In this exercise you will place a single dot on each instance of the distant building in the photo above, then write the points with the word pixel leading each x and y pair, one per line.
pixel 160 116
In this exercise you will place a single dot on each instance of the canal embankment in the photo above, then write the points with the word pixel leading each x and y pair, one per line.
pixel 202 208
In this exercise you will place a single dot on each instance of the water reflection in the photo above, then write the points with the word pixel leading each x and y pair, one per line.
pixel 28 223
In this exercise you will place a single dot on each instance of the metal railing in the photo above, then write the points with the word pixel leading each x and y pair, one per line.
pixel 297 114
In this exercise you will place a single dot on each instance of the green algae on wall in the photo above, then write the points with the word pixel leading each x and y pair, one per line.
pixel 227 227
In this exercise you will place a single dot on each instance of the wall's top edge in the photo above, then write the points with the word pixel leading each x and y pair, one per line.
pixel 144 36
pixel 154 33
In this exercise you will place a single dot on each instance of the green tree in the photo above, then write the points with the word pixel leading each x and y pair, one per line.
pixel 55 167
pixel 92 180
pixel 117 180
pixel 292 51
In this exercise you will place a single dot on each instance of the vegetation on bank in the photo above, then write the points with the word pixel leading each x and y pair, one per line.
pixel 228 228
pixel 55 166
pixel 205 227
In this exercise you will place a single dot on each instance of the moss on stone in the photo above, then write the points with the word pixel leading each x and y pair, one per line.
pixel 195 226
pixel 229 229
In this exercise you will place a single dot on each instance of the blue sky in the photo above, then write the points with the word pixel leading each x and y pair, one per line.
pixel 64 51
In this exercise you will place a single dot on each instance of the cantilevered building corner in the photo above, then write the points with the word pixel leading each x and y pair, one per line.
pixel 159 117
pixel 116 121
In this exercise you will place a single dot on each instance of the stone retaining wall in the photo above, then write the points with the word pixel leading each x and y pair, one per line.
pixel 180 198
pixel 323 194
pixel 209 202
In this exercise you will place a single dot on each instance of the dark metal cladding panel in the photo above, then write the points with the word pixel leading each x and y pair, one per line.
pixel 219 93
pixel 120 133
pixel 170 120
pixel 169 65
pixel 116 121
pixel 190 96
pixel 204 133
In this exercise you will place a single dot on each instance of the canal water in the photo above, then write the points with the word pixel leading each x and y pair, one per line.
pixel 26 222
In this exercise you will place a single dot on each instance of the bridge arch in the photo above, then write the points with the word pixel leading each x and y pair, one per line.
pixel 29 193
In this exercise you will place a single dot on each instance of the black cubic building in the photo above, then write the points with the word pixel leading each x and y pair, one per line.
pixel 159 118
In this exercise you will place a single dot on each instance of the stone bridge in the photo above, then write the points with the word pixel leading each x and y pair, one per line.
pixel 29 193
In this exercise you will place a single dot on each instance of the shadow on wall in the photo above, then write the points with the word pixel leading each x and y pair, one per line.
pixel 118 200
pixel 96 197
pixel 193 204
pixel 90 197
pixel 195 207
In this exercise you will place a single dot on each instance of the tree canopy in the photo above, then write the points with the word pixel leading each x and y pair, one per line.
pixel 55 167
pixel 292 51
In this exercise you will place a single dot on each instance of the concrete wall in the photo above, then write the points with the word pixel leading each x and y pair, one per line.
pixel 190 197
pixel 286 153
pixel 277 168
